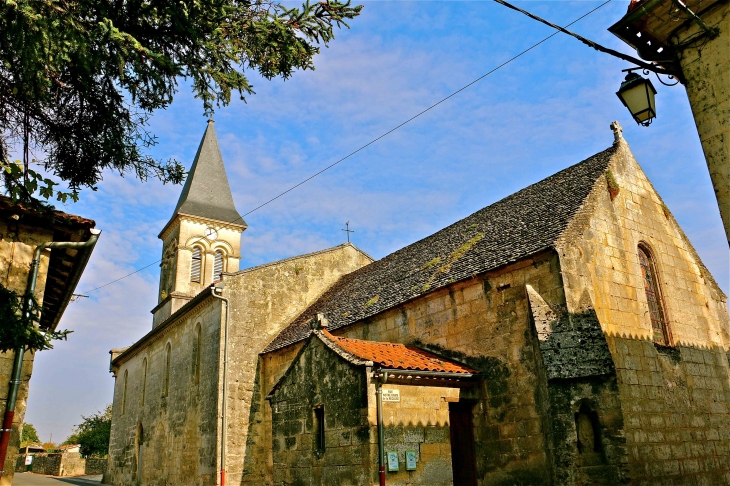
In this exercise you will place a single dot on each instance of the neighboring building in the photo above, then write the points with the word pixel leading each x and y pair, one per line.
pixel 22 230
pixel 567 334
pixel 692 38
pixel 70 448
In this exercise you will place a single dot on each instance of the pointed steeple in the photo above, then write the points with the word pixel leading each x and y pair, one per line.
pixel 206 193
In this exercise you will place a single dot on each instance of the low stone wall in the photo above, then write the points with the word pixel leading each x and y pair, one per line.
pixel 43 463
pixel 72 464
pixel 61 464
pixel 95 466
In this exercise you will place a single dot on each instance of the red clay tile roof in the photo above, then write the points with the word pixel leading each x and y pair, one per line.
pixel 397 356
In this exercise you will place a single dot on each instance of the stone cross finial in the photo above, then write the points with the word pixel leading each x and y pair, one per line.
pixel 617 131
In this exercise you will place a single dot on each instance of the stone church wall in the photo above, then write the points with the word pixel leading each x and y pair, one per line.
pixel 675 399
pixel 178 428
pixel 485 323
pixel 264 300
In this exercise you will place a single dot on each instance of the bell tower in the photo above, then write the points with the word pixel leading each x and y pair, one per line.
pixel 203 238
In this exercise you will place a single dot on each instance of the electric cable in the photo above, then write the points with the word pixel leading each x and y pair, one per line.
pixel 363 147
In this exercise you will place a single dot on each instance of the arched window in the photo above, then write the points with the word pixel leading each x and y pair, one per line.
pixel 166 385
pixel 653 297
pixel 197 345
pixel 196 264
pixel 218 267
pixel 124 392
pixel 144 380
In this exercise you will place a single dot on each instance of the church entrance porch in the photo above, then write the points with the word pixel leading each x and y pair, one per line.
pixel 347 409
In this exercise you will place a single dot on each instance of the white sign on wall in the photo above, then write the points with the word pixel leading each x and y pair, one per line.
pixel 391 395
pixel 28 460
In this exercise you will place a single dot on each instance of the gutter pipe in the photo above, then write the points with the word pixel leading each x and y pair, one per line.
pixel 225 385
pixel 647 7
pixel 635 15
pixel 15 380
pixel 426 374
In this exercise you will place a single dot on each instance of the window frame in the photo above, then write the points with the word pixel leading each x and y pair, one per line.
pixel 656 289
pixel 197 351
pixel 124 391
pixel 144 381
pixel 319 443
pixel 200 264
pixel 168 366
pixel 219 252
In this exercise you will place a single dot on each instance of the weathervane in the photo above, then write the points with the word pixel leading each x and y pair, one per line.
pixel 348 231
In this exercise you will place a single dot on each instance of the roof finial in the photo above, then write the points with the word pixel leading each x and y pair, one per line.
pixel 210 119
pixel 348 230
pixel 319 322
pixel 617 132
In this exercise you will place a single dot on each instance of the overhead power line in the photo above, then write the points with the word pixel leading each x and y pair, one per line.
pixel 363 147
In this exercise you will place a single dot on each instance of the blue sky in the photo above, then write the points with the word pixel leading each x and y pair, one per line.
pixel 545 111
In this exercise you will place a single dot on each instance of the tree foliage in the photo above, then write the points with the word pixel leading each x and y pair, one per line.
pixel 21 329
pixel 50 446
pixel 79 79
pixel 29 435
pixel 93 433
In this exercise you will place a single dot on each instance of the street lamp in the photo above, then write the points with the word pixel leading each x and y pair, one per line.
pixel 637 94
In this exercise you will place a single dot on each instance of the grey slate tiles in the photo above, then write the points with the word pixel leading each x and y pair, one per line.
pixel 520 225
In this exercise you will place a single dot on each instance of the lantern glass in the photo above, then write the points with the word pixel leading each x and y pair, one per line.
pixel 637 94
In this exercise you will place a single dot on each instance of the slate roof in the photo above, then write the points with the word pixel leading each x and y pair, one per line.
pixel 207 193
pixel 523 224
pixel 397 356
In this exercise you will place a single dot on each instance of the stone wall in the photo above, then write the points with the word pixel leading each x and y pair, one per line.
pixel 181 431
pixel 706 67
pixel 61 464
pixel 485 323
pixel 263 301
pixel 320 378
pixel 95 466
pixel 178 424
pixel 675 399
pixel 17 244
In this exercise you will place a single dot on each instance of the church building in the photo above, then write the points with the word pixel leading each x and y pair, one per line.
pixel 568 334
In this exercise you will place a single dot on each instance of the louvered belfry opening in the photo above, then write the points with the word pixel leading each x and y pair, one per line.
pixel 195 265
pixel 653 298
pixel 218 266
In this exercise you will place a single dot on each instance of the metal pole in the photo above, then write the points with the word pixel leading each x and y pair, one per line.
pixel 15 379
pixel 381 434
pixel 225 387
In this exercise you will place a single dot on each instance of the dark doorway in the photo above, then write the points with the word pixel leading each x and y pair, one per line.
pixel 463 454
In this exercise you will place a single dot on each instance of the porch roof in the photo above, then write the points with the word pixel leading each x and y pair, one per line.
pixel 395 356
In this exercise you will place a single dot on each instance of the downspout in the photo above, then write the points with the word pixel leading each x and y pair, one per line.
pixel 225 385
pixel 381 434
pixel 15 380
